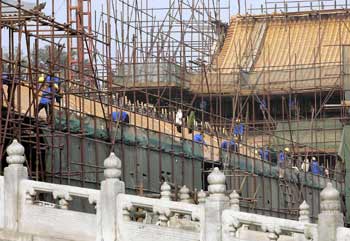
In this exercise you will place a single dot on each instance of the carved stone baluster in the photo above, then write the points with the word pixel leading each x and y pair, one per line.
pixel 110 188
pixel 164 215
pixel 165 191
pixel 14 173
pixel 234 201
pixel 63 198
pixel 185 195
pixel 215 203
pixel 201 197
pixel 330 217
pixel 273 230
pixel 304 212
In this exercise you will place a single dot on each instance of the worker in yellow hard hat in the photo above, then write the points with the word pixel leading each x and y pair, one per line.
pixel 41 78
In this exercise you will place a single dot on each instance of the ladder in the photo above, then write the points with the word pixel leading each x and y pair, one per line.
pixel 287 193
pixel 78 46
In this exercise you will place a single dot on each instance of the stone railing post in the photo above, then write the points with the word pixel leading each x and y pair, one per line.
pixel 185 195
pixel 330 217
pixel 165 191
pixel 13 174
pixel 201 197
pixel 107 209
pixel 304 212
pixel 215 203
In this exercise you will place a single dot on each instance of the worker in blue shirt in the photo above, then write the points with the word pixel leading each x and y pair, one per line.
pixel 266 154
pixel 261 153
pixel 46 101
pixel 5 78
pixel 11 81
pixel 199 138
pixel 238 130
pixel 281 163
pixel 224 145
pixel 123 118
pixel 315 167
pixel 56 84
pixel 233 145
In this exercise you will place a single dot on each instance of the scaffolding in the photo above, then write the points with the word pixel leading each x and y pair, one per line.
pixel 149 61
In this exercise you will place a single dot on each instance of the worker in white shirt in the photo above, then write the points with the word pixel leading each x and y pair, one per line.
pixel 178 120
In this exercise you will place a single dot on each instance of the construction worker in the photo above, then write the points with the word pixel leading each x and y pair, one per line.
pixel 225 145
pixel 123 118
pixel 199 138
pixel 190 121
pixel 238 130
pixel 315 167
pixel 5 78
pixel 46 101
pixel 178 120
pixel 281 163
pixel 41 79
pixel 233 146
pixel 305 166
pixel 11 81
pixel 260 152
pixel 326 172
pixel 56 83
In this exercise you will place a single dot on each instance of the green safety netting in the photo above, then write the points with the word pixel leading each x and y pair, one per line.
pixel 150 139
pixel 96 128
pixel 262 168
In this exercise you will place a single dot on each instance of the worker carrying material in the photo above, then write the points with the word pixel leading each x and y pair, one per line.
pixel 123 118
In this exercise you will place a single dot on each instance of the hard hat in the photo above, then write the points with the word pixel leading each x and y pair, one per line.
pixel 313 158
pixel 41 79
pixel 286 149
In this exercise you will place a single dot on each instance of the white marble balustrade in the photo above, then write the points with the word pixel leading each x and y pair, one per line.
pixel 123 217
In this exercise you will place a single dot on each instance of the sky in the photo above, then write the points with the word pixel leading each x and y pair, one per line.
pixel 60 11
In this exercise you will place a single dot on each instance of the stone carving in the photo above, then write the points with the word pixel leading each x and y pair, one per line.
pixel 15 153
pixel 217 182
pixel 127 209
pixel 230 224
pixel 273 230
pixel 234 201
pixel 92 199
pixel 63 198
pixel 304 213
pixel 201 197
pixel 30 195
pixel 185 195
pixel 165 191
pixel 164 215
pixel 112 165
